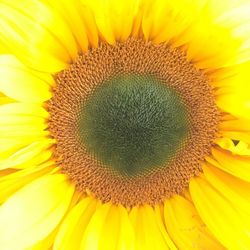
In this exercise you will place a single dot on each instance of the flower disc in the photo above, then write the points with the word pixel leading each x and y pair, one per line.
pixel 132 122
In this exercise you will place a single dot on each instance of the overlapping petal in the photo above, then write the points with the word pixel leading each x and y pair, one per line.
pixel 40 37
pixel 41 206
pixel 44 37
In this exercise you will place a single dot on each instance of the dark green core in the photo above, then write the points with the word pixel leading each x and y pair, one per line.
pixel 133 123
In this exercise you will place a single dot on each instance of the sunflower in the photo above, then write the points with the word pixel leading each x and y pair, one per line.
pixel 125 125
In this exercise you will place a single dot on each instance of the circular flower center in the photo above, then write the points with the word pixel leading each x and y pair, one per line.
pixel 133 123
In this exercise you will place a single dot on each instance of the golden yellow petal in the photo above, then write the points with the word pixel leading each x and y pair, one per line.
pixel 235 125
pixel 186 227
pixel 36 34
pixel 123 15
pixel 114 19
pixel 117 230
pixel 102 11
pixel 241 148
pixel 216 22
pixel 148 233
pixel 21 125
pixel 234 189
pixel 33 154
pixel 126 235
pixel 159 213
pixel 237 136
pixel 72 229
pixel 34 211
pixel 71 13
pixel 165 21
pixel 237 165
pixel 20 83
pixel 222 219
pixel 10 183
pixel 92 233
pixel 108 228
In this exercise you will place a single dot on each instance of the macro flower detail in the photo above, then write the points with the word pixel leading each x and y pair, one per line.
pixel 125 125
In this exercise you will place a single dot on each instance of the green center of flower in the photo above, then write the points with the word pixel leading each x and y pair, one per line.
pixel 133 123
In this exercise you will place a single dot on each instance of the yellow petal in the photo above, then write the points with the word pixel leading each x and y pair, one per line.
pixel 71 12
pixel 33 154
pixel 20 120
pixel 92 234
pixel 102 12
pixel 186 227
pixel 136 28
pixel 12 182
pixel 88 17
pixel 235 125
pixel 34 211
pixel 238 136
pixel 165 21
pixel 36 34
pixel 126 238
pixel 9 122
pixel 223 220
pixel 109 229
pixel 159 212
pixel 23 109
pixel 3 49
pixel 11 61
pixel 5 99
pixel 20 84
pixel 211 25
pixel 48 242
pixel 11 145
pixel 109 233
pixel 234 189
pixel 22 132
pixel 237 19
pixel 73 227
pixel 231 79
pixel 236 165
pixel 148 233
pixel 6 172
pixel 237 104
pixel 241 148
pixel 53 22
pixel 122 15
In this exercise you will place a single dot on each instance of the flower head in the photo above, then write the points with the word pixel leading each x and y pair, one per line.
pixel 124 124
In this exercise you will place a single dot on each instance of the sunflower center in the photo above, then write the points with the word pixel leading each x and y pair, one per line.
pixel 133 123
